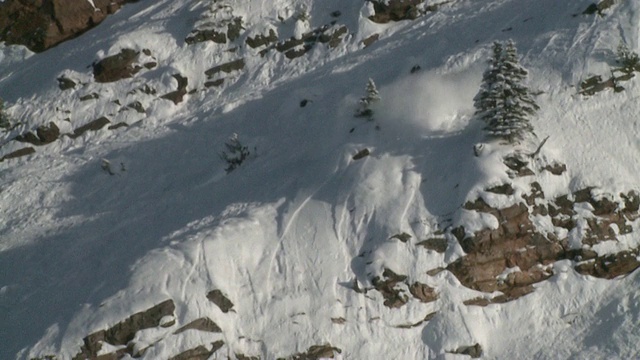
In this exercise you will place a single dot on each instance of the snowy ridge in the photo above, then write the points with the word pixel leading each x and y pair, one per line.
pixel 287 234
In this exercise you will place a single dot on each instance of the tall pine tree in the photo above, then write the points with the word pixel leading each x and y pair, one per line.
pixel 504 103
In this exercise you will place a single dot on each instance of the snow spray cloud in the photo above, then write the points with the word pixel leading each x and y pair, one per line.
pixel 431 102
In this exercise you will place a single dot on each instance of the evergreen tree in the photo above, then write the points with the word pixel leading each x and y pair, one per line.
pixel 235 154
pixel 504 103
pixel 629 60
pixel 372 96
pixel 5 121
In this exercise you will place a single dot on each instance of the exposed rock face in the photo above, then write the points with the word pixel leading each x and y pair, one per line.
pixel 316 352
pixel 123 332
pixel 435 244
pixel 395 10
pixel 387 286
pixel 516 255
pixel 262 40
pixel 178 95
pixel 202 324
pixel 44 134
pixel 41 24
pixel 199 353
pixel 392 287
pixel 475 351
pixel 19 153
pixel 218 298
pixel 116 67
pixel 94 125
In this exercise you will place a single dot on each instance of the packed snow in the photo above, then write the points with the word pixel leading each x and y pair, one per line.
pixel 286 234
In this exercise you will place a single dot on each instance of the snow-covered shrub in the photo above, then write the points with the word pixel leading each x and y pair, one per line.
pixel 372 96
pixel 236 153
pixel 629 60
pixel 504 103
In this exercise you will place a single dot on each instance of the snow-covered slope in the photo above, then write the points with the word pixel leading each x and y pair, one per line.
pixel 287 234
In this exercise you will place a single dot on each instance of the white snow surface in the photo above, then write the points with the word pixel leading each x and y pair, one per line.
pixel 286 234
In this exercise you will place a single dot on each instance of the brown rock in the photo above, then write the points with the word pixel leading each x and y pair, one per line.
pixel 124 331
pixel 394 297
pixel 19 153
pixel 42 24
pixel 178 95
pixel 218 298
pixel 334 37
pixel 556 168
pixel 91 96
pixel 116 67
pixel 65 83
pixel 423 292
pixel 370 40
pixel 435 244
pixel 475 351
pixel 395 10
pixel 94 125
pixel 316 352
pixel 234 65
pixel 199 353
pixel 206 35
pixel 202 324
pixel 536 193
pixel 361 154
pixel 214 83
pixel 404 237
pixel 611 266
pixel 262 40
pixel 45 134
pixel 245 357
pixel 504 189
pixel 631 202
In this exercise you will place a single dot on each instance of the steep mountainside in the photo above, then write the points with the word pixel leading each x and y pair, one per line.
pixel 399 233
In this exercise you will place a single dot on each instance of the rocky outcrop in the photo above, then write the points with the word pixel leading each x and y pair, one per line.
pixel 94 125
pixel 202 324
pixel 398 10
pixel 315 352
pixel 42 24
pixel 598 7
pixel 18 153
pixel 262 40
pixel 474 351
pixel 123 332
pixel 218 298
pixel 516 254
pixel 199 353
pixel 436 244
pixel 393 287
pixel 44 134
pixel 177 96
pixel 331 35
pixel 117 67
pixel 395 10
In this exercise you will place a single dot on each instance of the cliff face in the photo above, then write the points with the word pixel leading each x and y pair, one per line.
pixel 41 24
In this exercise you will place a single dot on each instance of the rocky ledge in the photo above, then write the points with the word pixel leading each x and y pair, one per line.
pixel 42 24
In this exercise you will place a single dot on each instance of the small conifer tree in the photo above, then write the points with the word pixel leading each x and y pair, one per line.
pixel 5 121
pixel 629 60
pixel 236 153
pixel 372 96
pixel 504 103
